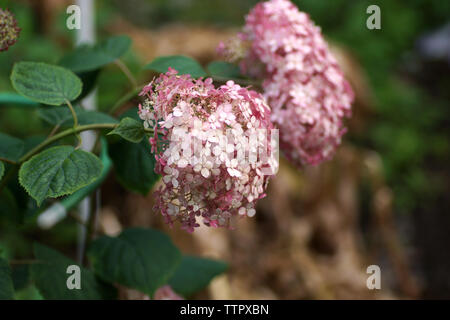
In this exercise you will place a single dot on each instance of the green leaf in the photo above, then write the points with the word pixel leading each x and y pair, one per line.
pixel 10 148
pixel 6 283
pixel 63 116
pixel 2 170
pixel 193 274
pixel 130 129
pixel 55 115
pixel 88 58
pixel 50 276
pixel 90 117
pixel 134 165
pixel 143 259
pixel 224 69
pixel 45 83
pixel 33 141
pixel 183 64
pixel 58 171
pixel 29 293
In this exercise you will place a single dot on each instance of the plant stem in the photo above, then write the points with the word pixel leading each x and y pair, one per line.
pixel 74 114
pixel 126 97
pixel 7 160
pixel 75 122
pixel 69 132
pixel 127 72
pixel 54 130
pixel 66 133
pixel 49 141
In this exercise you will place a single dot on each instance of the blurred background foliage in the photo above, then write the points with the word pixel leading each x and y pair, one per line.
pixel 408 126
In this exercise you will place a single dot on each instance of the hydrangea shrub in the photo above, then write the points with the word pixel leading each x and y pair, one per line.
pixel 211 136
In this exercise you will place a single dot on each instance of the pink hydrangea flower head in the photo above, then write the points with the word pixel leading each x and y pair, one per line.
pixel 199 134
pixel 9 31
pixel 303 83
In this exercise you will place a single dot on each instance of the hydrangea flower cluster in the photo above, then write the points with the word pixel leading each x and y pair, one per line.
pixel 201 138
pixel 9 31
pixel 303 83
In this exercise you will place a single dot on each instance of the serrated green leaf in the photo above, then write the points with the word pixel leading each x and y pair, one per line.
pixel 6 283
pixel 224 70
pixel 130 129
pixel 143 259
pixel 11 148
pixel 88 58
pixel 63 116
pixel 134 165
pixel 58 171
pixel 50 277
pixel 45 83
pixel 2 170
pixel 194 273
pixel 183 64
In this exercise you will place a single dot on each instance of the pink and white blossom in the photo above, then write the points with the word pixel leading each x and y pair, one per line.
pixel 303 83
pixel 199 133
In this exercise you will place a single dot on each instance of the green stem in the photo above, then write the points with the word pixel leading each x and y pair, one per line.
pixel 74 114
pixel 7 160
pixel 69 132
pixel 54 130
pixel 49 141
pixel 63 134
pixel 126 97
pixel 127 72
pixel 75 122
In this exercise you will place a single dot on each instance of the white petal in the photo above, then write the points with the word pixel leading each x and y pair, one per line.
pixel 205 173
pixel 251 212
pixel 182 163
